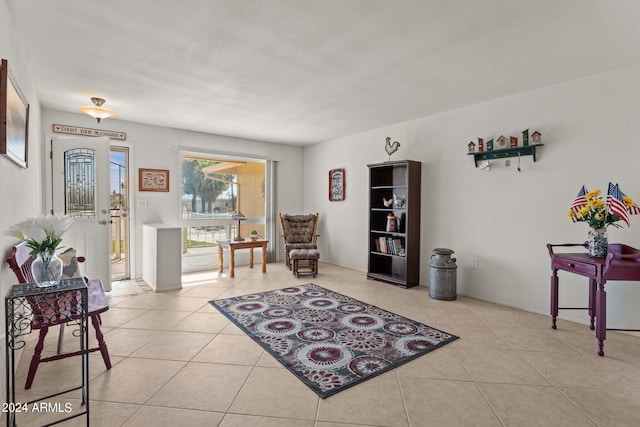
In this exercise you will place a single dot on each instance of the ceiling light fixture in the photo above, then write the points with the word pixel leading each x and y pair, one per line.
pixel 96 111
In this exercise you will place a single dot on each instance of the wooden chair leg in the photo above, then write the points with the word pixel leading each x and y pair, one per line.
pixel 35 360
pixel 295 268
pixel 95 320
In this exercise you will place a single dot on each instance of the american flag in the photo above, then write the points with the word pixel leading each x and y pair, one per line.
pixel 579 202
pixel 615 204
pixel 633 209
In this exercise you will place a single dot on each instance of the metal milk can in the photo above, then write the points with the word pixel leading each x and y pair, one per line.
pixel 442 275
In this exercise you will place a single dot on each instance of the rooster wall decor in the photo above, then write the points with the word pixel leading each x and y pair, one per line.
pixel 391 148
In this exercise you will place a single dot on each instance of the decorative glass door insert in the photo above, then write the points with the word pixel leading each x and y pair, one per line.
pixel 80 181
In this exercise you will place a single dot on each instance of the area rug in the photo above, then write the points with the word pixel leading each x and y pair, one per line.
pixel 328 340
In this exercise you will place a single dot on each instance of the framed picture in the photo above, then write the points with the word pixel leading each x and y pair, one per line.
pixel 14 118
pixel 337 185
pixel 153 179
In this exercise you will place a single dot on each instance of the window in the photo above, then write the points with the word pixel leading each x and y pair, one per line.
pixel 218 195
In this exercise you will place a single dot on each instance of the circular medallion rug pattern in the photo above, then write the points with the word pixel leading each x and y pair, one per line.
pixel 328 340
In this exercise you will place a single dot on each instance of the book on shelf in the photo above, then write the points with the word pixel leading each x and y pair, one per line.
pixel 383 244
pixel 389 245
pixel 397 246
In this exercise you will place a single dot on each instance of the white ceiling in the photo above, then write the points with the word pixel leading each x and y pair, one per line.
pixel 304 71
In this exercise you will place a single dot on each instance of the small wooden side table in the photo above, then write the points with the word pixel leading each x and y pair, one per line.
pixel 241 244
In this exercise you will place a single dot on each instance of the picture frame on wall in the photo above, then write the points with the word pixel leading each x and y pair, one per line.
pixel 337 185
pixel 14 118
pixel 153 179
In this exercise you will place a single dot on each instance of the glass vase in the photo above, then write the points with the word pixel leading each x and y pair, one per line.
pixel 46 269
pixel 598 242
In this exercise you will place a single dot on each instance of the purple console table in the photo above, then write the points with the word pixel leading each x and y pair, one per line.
pixel 621 263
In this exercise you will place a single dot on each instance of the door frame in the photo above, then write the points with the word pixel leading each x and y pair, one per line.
pixel 132 206
pixel 47 193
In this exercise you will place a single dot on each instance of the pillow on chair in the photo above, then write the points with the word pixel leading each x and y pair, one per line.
pixel 70 267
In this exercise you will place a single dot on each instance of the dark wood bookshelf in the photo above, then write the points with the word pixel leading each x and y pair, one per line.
pixel 394 256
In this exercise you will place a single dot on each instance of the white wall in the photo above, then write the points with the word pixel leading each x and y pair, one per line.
pixel 503 217
pixel 156 147
pixel 20 189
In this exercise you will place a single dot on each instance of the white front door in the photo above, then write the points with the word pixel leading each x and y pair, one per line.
pixel 80 188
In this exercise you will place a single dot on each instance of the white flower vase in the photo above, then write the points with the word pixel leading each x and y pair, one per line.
pixel 598 242
pixel 46 269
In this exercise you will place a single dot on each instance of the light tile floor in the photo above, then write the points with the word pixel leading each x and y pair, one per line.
pixel 178 362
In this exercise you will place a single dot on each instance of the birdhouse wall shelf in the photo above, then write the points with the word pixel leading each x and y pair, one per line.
pixel 528 148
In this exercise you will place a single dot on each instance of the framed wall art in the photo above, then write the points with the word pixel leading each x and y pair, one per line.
pixel 14 118
pixel 337 185
pixel 153 179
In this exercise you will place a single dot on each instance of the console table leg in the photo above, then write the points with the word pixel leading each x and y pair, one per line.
pixel 232 263
pixel 250 257
pixel 220 259
pixel 601 318
pixel 264 258
pixel 554 297
pixel 592 301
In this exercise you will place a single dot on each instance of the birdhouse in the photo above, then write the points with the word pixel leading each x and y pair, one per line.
pixel 490 145
pixel 502 141
pixel 480 145
pixel 536 137
pixel 525 137
pixel 471 147
pixel 513 141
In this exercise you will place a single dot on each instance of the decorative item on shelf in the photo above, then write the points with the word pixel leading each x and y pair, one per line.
pixel 536 138
pixel 392 223
pixel 387 202
pixel 502 142
pixel 390 147
pixel 513 141
pixel 43 235
pixel 471 147
pixel 254 235
pixel 238 216
pixel 525 137
pixel 399 201
pixel 598 213
pixel 490 145
pixel 480 145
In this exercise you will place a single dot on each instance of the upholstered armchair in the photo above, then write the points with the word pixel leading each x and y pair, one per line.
pixel 298 232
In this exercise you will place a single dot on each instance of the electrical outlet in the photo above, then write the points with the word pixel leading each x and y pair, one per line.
pixel 475 262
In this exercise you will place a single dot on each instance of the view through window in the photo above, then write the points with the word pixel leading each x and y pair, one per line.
pixel 222 199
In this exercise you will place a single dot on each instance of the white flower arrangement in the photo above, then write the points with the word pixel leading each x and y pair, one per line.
pixel 43 233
